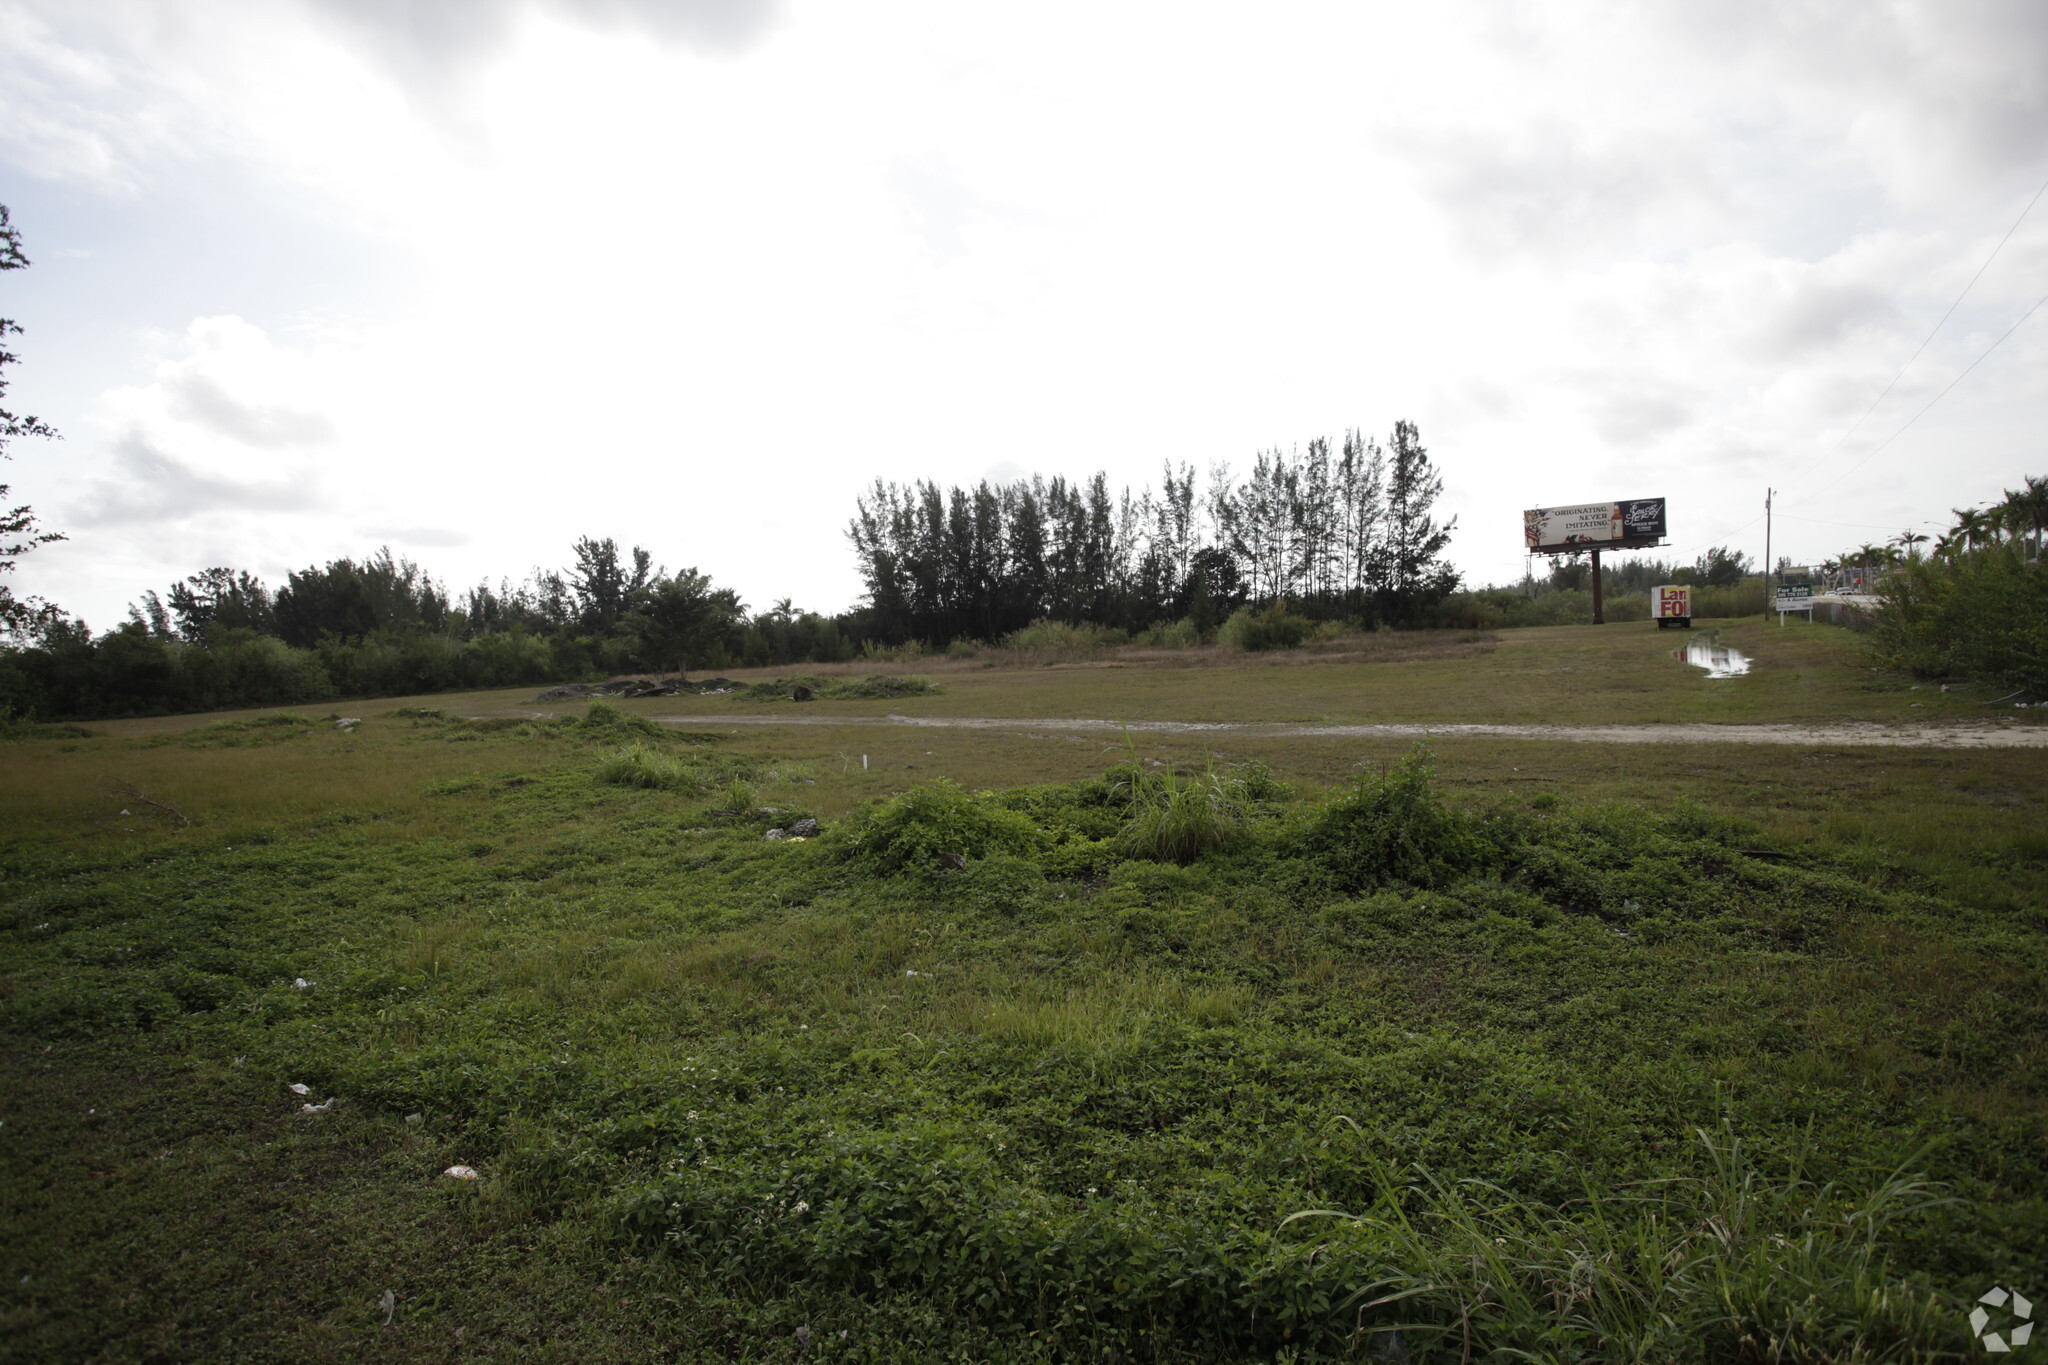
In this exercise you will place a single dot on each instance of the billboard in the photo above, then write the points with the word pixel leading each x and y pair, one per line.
pixel 1594 525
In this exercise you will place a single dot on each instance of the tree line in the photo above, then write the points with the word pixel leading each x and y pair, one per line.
pixel 384 626
pixel 1348 531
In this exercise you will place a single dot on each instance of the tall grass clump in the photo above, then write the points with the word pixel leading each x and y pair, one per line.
pixel 1734 1263
pixel 1171 818
pixel 1394 827
pixel 1178 819
pixel 638 765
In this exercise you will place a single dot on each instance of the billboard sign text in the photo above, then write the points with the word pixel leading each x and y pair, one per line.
pixel 1594 525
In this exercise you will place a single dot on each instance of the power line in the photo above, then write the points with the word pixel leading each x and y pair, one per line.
pixel 1930 402
pixel 1858 525
pixel 1930 336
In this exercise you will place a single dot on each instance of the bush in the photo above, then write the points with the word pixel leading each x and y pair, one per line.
pixel 1394 828
pixel 1982 614
pixel 1181 634
pixel 1060 637
pixel 1269 627
pixel 911 831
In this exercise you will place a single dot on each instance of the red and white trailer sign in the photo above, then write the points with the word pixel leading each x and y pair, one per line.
pixel 1673 603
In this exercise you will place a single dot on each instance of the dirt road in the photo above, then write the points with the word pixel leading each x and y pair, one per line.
pixel 1983 735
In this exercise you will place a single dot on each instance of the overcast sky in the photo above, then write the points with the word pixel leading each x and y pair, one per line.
pixel 472 278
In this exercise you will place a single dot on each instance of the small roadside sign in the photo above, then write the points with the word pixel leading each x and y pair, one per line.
pixel 1674 606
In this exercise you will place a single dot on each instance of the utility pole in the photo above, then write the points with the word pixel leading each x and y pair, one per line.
pixel 1768 494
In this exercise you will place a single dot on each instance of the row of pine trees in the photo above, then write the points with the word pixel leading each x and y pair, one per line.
pixel 1345 531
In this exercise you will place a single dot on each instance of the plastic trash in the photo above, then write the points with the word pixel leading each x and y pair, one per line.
pixel 461 1172
pixel 299 983
pixel 300 1088
pixel 317 1108
pixel 389 1303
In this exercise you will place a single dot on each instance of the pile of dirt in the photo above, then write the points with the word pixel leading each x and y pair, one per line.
pixel 678 686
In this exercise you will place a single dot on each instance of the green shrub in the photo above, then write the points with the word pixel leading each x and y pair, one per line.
pixel 1980 614
pixel 1270 627
pixel 1044 636
pixel 1257 783
pixel 912 830
pixel 1393 827
pixel 1181 634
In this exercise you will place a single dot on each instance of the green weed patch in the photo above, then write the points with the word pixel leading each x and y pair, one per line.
pixel 1379 1072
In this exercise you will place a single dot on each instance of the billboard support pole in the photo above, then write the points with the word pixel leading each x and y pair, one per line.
pixel 1599 614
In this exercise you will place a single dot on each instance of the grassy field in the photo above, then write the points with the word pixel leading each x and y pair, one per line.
pixel 1651 1052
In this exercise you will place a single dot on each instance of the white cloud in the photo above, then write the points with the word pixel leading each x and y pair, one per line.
pixel 148 486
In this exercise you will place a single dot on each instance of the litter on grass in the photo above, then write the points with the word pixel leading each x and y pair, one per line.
pixel 300 1088
pixel 317 1108
pixel 461 1172
pixel 389 1303
pixel 299 983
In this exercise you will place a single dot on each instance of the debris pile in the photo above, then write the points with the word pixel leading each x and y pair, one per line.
pixel 677 686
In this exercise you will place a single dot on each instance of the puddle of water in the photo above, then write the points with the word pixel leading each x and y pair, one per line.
pixel 1718 659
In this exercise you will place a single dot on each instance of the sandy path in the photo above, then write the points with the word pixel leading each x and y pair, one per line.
pixel 1842 735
